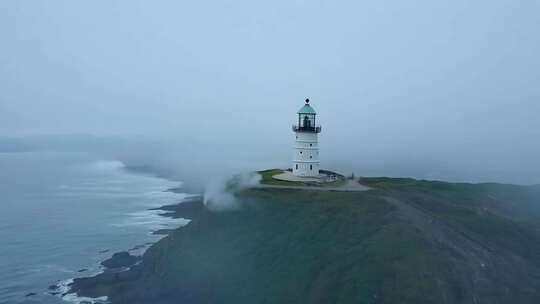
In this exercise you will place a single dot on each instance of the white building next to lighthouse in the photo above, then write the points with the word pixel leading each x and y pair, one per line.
pixel 306 148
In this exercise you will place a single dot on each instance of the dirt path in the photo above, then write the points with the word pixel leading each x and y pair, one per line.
pixel 351 185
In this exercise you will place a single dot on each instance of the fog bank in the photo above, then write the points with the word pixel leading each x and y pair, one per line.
pixel 436 90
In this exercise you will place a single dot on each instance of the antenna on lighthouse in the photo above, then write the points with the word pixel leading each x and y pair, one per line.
pixel 307 100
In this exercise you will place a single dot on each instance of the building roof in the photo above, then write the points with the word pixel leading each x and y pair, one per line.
pixel 306 109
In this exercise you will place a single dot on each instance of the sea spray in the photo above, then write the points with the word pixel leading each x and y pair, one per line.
pixel 219 193
pixel 63 288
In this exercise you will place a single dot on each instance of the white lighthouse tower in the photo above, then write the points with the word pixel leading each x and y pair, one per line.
pixel 306 148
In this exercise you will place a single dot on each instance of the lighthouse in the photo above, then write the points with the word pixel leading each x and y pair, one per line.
pixel 306 148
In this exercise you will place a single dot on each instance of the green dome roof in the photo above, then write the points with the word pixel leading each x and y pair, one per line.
pixel 306 109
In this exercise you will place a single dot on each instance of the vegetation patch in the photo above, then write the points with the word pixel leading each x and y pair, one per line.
pixel 267 179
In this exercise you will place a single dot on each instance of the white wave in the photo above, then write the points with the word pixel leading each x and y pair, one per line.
pixel 152 219
pixel 63 288
pixel 160 194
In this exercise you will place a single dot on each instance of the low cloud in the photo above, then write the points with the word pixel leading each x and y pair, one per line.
pixel 219 194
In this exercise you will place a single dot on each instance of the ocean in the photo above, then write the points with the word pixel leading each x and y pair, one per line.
pixel 61 214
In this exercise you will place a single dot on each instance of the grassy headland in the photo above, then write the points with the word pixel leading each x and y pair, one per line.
pixel 408 241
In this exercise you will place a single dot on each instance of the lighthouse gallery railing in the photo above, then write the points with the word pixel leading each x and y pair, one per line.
pixel 316 129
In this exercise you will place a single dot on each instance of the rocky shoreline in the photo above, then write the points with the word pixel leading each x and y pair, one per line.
pixel 118 266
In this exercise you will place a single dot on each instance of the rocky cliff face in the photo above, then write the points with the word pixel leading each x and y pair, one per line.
pixel 407 241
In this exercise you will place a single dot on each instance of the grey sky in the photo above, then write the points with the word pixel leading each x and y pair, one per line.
pixel 438 86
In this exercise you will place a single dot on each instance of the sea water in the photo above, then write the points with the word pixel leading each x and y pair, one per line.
pixel 61 214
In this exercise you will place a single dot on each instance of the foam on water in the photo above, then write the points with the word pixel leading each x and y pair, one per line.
pixel 152 219
pixel 61 217
pixel 63 288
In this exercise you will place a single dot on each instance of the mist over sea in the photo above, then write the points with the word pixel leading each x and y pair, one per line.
pixel 61 214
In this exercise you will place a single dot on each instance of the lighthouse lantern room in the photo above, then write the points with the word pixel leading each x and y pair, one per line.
pixel 306 148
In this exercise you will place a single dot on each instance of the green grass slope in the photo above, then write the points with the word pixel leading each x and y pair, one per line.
pixel 408 241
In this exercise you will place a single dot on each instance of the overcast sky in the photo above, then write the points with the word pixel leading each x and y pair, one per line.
pixel 434 89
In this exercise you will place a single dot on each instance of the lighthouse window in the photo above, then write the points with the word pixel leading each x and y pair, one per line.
pixel 310 156
pixel 300 152
pixel 310 145
pixel 296 166
pixel 310 167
